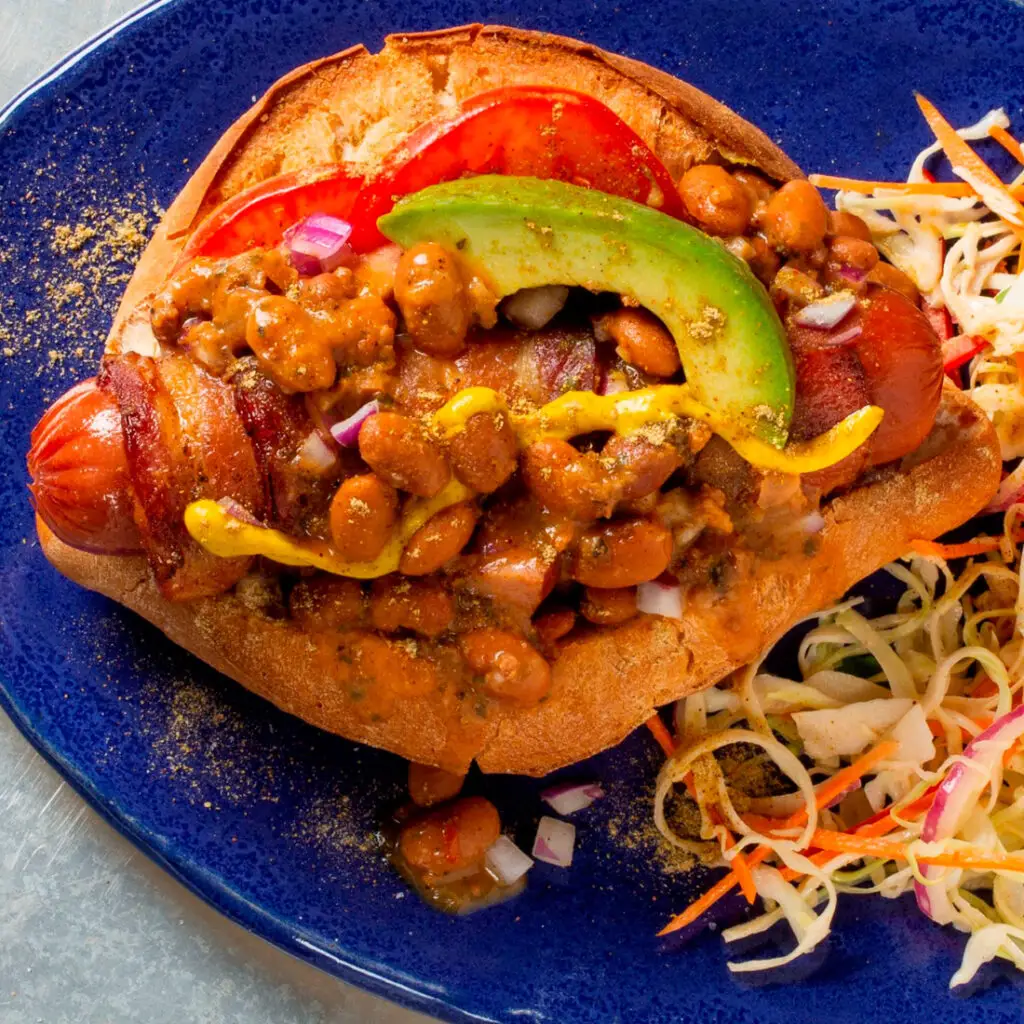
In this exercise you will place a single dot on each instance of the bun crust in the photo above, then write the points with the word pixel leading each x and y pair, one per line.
pixel 606 682
pixel 356 106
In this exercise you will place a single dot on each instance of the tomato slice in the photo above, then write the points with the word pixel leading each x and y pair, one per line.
pixel 529 131
pixel 259 216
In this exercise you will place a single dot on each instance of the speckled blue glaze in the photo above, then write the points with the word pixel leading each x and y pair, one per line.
pixel 266 818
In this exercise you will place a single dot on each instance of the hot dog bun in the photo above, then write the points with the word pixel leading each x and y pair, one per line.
pixel 356 106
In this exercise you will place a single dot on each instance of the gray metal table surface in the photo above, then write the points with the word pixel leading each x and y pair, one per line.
pixel 91 932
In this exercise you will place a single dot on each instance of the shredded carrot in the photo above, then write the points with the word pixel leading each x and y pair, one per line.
pixel 892 849
pixel 952 189
pixel 1008 142
pixel 661 734
pixel 702 904
pixel 842 780
pixel 1018 358
pixel 973 547
pixel 969 166
pixel 741 869
pixel 984 687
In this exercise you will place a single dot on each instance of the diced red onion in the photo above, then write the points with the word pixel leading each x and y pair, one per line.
pixel 555 842
pixel 826 313
pixel 844 337
pixel 852 274
pixel 612 382
pixel 656 598
pixel 1011 491
pixel 532 308
pixel 314 454
pixel 571 797
pixel 954 798
pixel 238 511
pixel 506 862
pixel 578 371
pixel 346 433
pixel 319 243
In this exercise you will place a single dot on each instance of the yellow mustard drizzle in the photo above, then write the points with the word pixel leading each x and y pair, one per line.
pixel 574 413
pixel 224 535
pixel 580 412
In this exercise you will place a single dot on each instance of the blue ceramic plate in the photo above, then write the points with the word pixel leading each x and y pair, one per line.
pixel 268 820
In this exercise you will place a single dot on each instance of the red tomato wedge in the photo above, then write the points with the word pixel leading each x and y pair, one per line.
pixel 259 216
pixel 529 131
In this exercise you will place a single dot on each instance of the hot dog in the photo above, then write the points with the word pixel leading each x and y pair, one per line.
pixel 445 481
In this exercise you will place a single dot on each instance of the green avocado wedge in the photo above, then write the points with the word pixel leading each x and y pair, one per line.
pixel 524 233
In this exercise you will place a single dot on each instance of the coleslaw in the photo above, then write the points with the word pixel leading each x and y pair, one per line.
pixel 896 760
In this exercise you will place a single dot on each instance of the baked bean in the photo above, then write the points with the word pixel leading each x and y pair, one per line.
pixel 758 189
pixel 325 603
pixel 375 272
pixel 385 672
pixel 716 200
pixel 849 224
pixel 398 449
pixel 189 293
pixel 512 670
pixel 361 331
pixel 423 606
pixel 429 785
pixel 363 514
pixel 439 539
pixel 622 553
pixel 552 626
pixel 453 837
pixel 484 453
pixel 431 294
pixel 765 261
pixel 796 217
pixel 517 578
pixel 567 481
pixel 639 466
pixel 290 345
pixel 888 276
pixel 326 291
pixel 847 251
pixel 608 607
pixel 642 340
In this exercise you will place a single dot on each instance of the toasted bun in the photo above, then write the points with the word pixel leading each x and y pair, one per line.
pixel 355 106
pixel 608 681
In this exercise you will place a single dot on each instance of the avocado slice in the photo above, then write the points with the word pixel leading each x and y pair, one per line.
pixel 524 232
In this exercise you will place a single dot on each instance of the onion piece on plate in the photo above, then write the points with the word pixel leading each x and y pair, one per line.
pixel 346 432
pixel 555 842
pixel 571 797
pixel 506 862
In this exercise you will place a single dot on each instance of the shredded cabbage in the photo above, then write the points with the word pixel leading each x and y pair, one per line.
pixel 949 662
